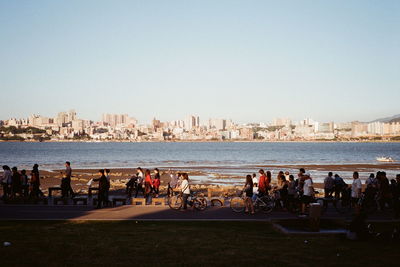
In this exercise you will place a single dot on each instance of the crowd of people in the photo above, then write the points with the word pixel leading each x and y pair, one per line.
pixel 290 193
pixel 17 184
pixel 149 185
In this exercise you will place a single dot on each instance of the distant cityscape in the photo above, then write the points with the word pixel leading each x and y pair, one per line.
pixel 67 126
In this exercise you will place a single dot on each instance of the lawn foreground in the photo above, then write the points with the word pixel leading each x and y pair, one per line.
pixel 109 243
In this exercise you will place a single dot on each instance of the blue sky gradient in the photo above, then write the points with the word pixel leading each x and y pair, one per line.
pixel 249 61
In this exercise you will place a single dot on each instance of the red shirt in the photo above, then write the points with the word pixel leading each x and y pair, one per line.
pixel 262 184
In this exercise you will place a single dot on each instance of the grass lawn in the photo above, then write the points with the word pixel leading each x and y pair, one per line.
pixel 66 243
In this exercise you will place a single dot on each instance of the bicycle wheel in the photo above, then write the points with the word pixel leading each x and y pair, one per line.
pixel 200 203
pixel 216 202
pixel 266 205
pixel 237 204
pixel 175 202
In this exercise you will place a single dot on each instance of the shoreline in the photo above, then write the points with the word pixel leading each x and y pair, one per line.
pixel 202 141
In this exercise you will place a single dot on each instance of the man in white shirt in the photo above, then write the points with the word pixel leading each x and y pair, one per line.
pixel 356 188
pixel 308 192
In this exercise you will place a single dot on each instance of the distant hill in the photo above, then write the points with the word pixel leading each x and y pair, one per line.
pixel 395 118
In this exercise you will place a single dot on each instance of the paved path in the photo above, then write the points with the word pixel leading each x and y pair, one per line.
pixel 128 212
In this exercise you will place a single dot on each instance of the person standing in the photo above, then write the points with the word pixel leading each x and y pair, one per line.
pixel 16 187
pixel 156 182
pixel 24 183
pixel 35 183
pixel 308 192
pixel 385 196
pixel 101 195
pixel 66 189
pixel 185 189
pixel 262 183
pixel 131 184
pixel 329 184
pixel 248 190
pixel 107 173
pixel 255 179
pixel 6 181
pixel 356 188
pixel 147 185
pixel 173 183
pixel 339 186
pixel 68 174
pixel 140 180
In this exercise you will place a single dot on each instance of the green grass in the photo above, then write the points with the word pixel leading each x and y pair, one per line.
pixel 65 243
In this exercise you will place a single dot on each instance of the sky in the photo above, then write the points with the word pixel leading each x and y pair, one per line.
pixel 250 61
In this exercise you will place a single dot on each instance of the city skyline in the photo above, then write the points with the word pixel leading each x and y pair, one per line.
pixel 250 62
pixel 114 119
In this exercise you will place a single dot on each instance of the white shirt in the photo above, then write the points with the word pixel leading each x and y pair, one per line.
pixel 7 177
pixel 356 188
pixel 185 187
pixel 307 188
pixel 255 190
pixel 255 180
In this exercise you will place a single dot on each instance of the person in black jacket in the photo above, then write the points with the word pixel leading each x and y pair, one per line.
pixel 16 186
pixel 103 186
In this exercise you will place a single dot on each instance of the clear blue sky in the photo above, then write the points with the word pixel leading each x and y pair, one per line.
pixel 246 60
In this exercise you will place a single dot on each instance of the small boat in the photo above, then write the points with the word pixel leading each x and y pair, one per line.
pixel 384 159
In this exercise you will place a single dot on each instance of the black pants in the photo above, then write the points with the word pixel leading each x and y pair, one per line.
pixel 139 188
pixel 101 198
pixel 170 190
pixel 185 200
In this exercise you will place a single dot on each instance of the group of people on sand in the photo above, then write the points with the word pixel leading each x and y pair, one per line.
pixel 17 184
pixel 149 184
pixel 144 182
pixel 378 190
pixel 286 190
pixel 296 194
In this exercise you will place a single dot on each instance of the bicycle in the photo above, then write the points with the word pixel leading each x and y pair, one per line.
pixel 264 203
pixel 175 202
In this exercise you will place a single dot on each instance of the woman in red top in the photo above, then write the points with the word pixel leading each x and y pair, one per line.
pixel 156 182
pixel 148 185
pixel 262 188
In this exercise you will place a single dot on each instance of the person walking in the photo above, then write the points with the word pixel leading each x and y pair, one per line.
pixel 101 195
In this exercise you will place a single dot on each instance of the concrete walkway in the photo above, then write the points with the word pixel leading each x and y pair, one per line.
pixel 129 212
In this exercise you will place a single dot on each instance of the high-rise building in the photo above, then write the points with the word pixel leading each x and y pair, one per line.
pixel 191 122
pixel 116 119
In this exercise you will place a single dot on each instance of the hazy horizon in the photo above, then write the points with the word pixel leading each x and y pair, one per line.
pixel 249 61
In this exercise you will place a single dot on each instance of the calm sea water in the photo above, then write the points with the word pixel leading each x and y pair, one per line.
pixel 217 158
